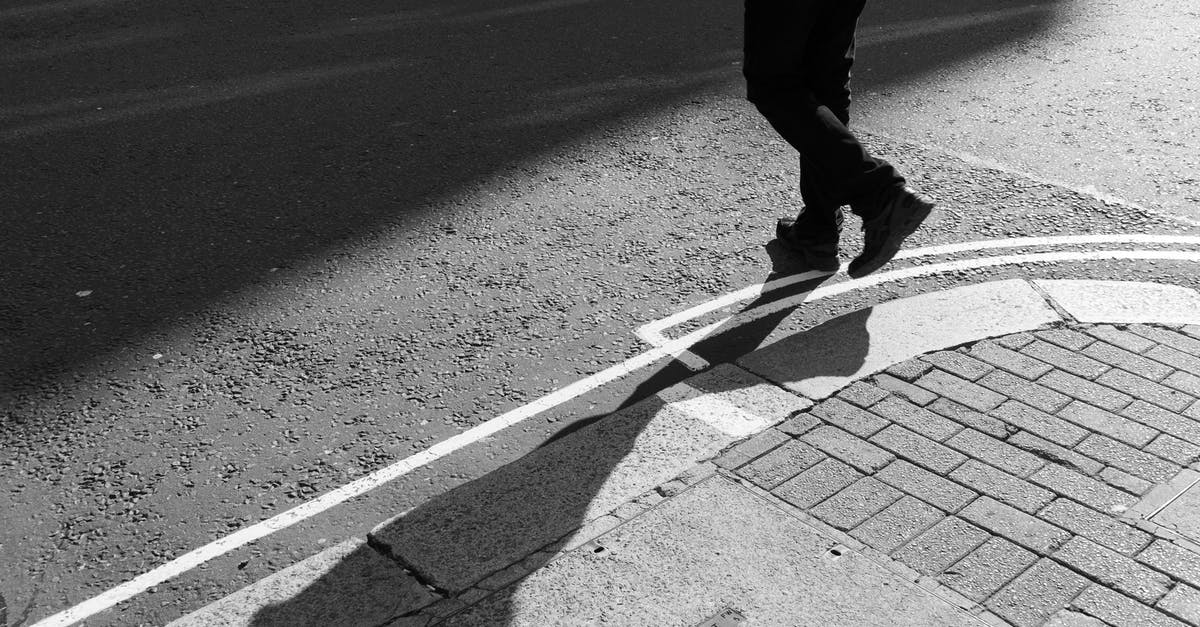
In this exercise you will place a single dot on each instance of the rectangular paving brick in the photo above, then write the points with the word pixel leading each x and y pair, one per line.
pixel 854 419
pixel 1036 594
pixel 897 524
pixel 1114 570
pixel 1066 338
pixel 1010 360
pixel 857 502
pixel 1128 361
pixel 1040 423
pixel 1054 453
pixel 1174 339
pixel 1028 392
pixel 1084 390
pixel 817 483
pixel 941 545
pixel 987 568
pixel 904 389
pixel 959 389
pixel 1002 486
pixel 1193 412
pixel 1173 449
pixel 909 369
pixel 933 489
pixel 918 449
pixel 1175 359
pixel 751 448
pixel 1164 420
pixel 781 464
pixel 1125 481
pixel 862 394
pixel 1016 340
pixel 799 424
pixel 849 448
pixel 1185 382
pixel 1086 490
pixel 969 417
pixel 1121 339
pixel 1184 602
pixel 1146 390
pixel 1115 608
pixel 995 452
pixel 1108 423
pixel 1064 359
pixel 1030 532
pixel 1174 560
pixel 958 364
pixel 1093 525
pixel 916 418
pixel 1127 458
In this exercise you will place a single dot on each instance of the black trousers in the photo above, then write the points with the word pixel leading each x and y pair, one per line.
pixel 798 55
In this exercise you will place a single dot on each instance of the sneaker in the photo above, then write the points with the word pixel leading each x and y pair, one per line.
pixel 903 211
pixel 819 253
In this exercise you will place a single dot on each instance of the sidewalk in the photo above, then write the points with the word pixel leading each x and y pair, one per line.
pixel 1016 452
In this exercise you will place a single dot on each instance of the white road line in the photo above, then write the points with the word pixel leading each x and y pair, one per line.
pixel 219 547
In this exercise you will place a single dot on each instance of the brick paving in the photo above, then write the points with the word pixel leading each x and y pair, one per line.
pixel 1005 470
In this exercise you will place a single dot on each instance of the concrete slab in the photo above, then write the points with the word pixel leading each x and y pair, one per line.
pixel 543 501
pixel 1124 302
pixel 713 548
pixel 347 584
pixel 828 357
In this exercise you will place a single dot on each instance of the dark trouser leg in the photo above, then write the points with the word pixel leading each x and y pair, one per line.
pixel 797 62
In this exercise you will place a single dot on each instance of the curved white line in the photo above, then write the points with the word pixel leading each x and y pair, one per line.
pixel 219 547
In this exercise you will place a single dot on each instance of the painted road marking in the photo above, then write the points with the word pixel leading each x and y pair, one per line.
pixel 668 348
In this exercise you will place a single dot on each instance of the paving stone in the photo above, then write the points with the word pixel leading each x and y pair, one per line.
pixel 995 452
pixel 1145 389
pixel 1054 453
pixel 1040 423
pixel 897 524
pixel 1002 486
pixel 817 483
pixel 1173 449
pixel 862 394
pixel 1108 423
pixel 1095 526
pixel 781 464
pixel 799 424
pixel 1010 360
pixel 1084 390
pixel 1034 534
pixel 1086 490
pixel 1064 359
pixel 751 448
pixel 849 448
pixel 1192 330
pixel 1174 560
pixel 904 389
pixel 1184 602
pixel 1128 361
pixel 930 488
pixel 1114 570
pixel 1184 382
pixel 909 369
pixel 916 418
pixel 1125 481
pixel 958 364
pixel 1193 412
pixel 854 419
pixel 984 570
pixel 1175 359
pixel 1127 458
pixel 1164 420
pixel 1068 618
pixel 941 545
pixel 959 389
pixel 1028 392
pixel 1066 338
pixel 918 449
pixel 969 417
pixel 1036 594
pixel 1115 608
pixel 856 503
pixel 1016 340
pixel 1120 338
pixel 1178 341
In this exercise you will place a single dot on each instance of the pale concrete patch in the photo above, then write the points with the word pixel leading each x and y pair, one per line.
pixel 347 584
pixel 822 360
pixel 713 547
pixel 1124 302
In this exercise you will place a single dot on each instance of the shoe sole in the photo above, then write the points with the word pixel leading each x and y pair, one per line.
pixel 893 244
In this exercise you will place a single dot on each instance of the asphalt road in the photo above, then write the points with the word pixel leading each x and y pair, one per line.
pixel 255 251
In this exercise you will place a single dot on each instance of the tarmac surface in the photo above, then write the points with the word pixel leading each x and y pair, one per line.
pixel 1009 453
